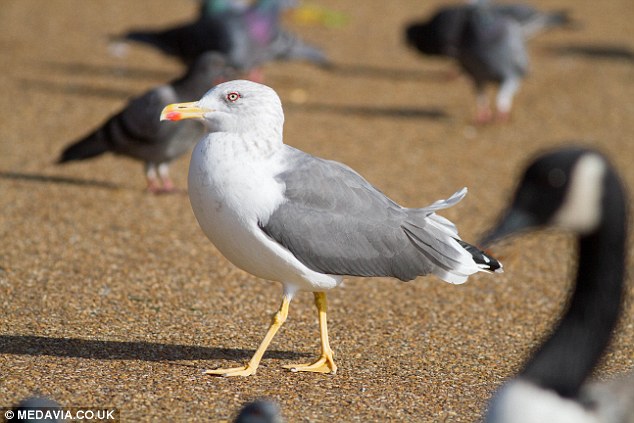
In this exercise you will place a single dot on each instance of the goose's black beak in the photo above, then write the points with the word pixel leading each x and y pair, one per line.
pixel 515 220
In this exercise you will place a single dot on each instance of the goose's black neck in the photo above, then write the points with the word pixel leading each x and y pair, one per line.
pixel 575 346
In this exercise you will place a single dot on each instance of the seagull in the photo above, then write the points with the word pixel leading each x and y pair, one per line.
pixel 576 189
pixel 287 216
pixel 136 132
pixel 489 43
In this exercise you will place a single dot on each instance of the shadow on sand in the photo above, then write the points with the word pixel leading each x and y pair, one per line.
pixel 124 350
pixel 79 68
pixel 596 51
pixel 34 177
pixel 392 74
pixel 392 112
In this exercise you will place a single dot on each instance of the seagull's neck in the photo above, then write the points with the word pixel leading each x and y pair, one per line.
pixel 255 144
pixel 564 361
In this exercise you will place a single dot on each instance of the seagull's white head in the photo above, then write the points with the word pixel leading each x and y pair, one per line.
pixel 236 106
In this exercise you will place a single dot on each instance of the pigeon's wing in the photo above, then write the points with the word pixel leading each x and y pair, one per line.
pixel 139 122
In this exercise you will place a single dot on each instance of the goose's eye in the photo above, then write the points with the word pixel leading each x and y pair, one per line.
pixel 233 96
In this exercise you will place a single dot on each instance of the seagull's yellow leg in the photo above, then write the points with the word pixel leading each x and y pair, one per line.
pixel 325 363
pixel 278 319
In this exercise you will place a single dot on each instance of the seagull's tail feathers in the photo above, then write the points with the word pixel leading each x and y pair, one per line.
pixel 445 257
pixel 90 146
pixel 451 259
pixel 445 204
pixel 484 261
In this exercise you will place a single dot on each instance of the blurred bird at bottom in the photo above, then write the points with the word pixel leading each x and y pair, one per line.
pixel 259 411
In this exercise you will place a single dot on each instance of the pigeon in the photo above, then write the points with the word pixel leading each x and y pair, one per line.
pixel 577 190
pixel 259 411
pixel 136 131
pixel 248 36
pixel 489 43
pixel 439 35
pixel 285 215
pixel 34 410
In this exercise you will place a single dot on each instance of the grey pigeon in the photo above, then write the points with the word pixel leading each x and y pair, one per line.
pixel 136 131
pixel 32 410
pixel 488 41
pixel 492 49
pixel 259 411
pixel 248 36
pixel 439 34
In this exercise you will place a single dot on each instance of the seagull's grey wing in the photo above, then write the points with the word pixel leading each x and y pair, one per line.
pixel 335 222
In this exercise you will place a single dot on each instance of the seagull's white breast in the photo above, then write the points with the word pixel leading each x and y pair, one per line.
pixel 232 187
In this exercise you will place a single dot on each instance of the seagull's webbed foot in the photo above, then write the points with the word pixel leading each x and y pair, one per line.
pixel 250 368
pixel 324 364
pixel 245 370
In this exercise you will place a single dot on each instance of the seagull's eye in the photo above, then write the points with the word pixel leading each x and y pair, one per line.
pixel 233 96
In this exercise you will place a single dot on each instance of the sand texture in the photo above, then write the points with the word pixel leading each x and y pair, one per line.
pixel 112 297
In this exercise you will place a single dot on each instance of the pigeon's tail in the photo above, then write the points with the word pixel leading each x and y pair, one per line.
pixel 288 46
pixel 545 21
pixel 483 260
pixel 91 146
pixel 166 41
pixel 146 37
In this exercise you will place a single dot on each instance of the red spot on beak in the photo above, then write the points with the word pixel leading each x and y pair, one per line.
pixel 173 116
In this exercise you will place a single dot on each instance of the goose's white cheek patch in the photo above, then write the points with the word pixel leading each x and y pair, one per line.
pixel 581 209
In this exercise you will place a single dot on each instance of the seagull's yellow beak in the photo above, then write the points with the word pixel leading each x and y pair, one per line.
pixel 180 111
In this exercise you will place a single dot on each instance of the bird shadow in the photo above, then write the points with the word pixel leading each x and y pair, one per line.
pixel 76 89
pixel 34 177
pixel 396 112
pixel 86 69
pixel 596 51
pixel 33 345
pixel 392 74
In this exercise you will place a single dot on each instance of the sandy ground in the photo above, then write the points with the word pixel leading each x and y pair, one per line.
pixel 111 297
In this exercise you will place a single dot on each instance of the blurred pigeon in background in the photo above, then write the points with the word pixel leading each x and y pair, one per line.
pixel 137 132
pixel 259 411
pixel 489 43
pixel 247 35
